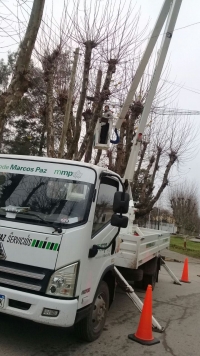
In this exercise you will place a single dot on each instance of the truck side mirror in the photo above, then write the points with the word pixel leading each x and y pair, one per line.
pixel 119 221
pixel 121 203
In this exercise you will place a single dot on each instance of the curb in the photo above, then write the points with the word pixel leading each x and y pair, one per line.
pixel 172 260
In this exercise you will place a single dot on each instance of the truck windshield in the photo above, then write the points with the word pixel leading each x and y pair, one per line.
pixel 43 200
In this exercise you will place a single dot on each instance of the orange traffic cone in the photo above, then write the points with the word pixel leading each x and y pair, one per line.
pixel 185 277
pixel 144 332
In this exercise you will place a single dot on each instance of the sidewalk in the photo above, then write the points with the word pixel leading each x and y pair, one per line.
pixel 178 257
pixel 195 240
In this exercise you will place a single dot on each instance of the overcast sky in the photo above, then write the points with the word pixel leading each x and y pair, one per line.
pixel 184 56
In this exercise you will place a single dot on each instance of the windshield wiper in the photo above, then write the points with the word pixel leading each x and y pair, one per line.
pixel 25 210
pixel 21 210
pixel 33 214
pixel 56 226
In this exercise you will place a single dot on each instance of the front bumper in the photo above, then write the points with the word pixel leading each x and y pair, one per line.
pixel 67 308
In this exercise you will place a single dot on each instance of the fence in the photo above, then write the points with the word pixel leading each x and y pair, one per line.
pixel 159 225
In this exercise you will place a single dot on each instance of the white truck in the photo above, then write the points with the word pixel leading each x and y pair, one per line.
pixel 59 237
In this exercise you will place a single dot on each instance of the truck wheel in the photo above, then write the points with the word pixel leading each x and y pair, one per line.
pixel 149 279
pixel 91 327
pixel 131 275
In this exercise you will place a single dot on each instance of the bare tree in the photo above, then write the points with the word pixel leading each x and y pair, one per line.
pixel 20 80
pixel 185 207
pixel 172 141
pixel 106 39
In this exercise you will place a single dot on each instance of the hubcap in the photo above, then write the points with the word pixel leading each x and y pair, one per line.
pixel 99 312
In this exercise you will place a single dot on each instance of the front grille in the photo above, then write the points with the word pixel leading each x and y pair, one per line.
pixel 21 272
pixel 24 277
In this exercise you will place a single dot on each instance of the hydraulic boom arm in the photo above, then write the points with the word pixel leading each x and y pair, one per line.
pixel 169 11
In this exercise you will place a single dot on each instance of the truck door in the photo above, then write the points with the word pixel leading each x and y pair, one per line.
pixel 102 231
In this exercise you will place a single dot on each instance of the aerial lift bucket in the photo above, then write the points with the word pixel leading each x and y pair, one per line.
pixel 97 132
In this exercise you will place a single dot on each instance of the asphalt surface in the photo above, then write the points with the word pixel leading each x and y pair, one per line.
pixel 175 307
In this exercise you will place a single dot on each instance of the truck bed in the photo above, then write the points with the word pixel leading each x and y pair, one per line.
pixel 133 250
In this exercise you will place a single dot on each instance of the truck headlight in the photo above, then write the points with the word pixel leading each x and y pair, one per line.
pixel 62 282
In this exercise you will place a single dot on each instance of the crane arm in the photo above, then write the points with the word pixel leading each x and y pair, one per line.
pixel 169 28
pixel 144 61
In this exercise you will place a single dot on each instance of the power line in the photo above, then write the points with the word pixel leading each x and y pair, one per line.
pixel 159 110
pixel 192 24
pixel 193 90
pixel 176 29
pixel 173 111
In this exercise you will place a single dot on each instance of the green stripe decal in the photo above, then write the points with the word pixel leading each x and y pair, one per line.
pixel 33 243
pixel 48 245
pixel 55 247
pixel 40 244
pixel 52 246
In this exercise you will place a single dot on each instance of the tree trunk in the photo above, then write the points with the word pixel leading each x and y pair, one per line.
pixel 88 153
pixel 156 167
pixel 20 80
pixel 70 133
pixel 137 172
pixel 68 105
pixel 110 160
pixel 49 64
pixel 103 96
pixel 136 111
pixel 42 138
pixel 144 209
pixel 123 151
pixel 49 113
pixel 89 45
pixel 98 156
pixel 144 196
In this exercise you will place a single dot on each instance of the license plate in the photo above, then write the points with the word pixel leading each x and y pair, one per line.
pixel 2 301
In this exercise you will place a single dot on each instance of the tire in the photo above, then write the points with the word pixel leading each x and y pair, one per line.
pixel 91 327
pixel 131 275
pixel 149 279
pixel 150 267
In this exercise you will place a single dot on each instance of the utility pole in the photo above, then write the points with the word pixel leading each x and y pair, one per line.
pixel 68 105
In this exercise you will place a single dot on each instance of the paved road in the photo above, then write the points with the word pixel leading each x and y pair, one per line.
pixel 175 307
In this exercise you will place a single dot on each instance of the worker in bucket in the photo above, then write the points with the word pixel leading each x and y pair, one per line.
pixel 105 120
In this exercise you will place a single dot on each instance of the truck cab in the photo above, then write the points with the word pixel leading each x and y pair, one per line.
pixel 52 213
